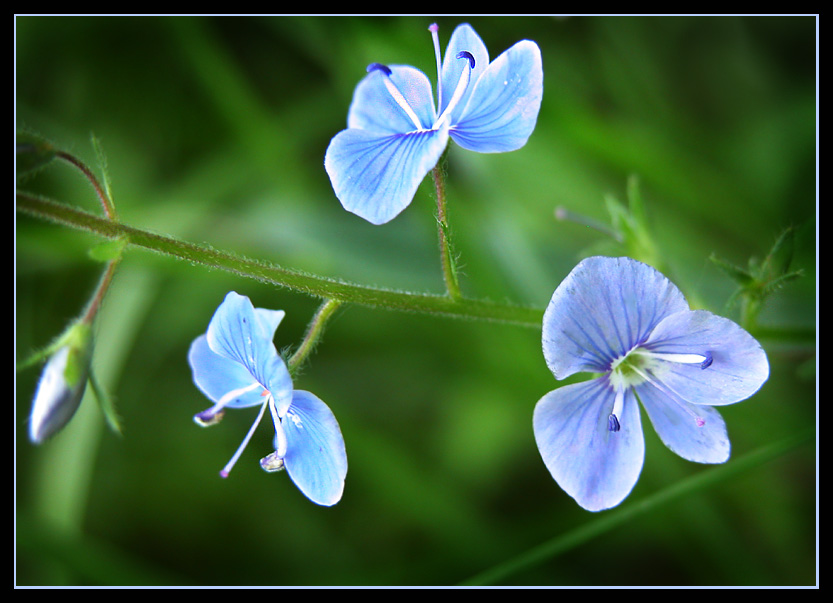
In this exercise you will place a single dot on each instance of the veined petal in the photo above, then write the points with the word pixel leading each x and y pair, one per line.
pixel 594 465
pixel 464 38
pixel 374 109
pixel 238 333
pixel 316 459
pixel 696 433
pixel 739 365
pixel 269 320
pixel 375 176
pixel 216 376
pixel 601 310
pixel 503 106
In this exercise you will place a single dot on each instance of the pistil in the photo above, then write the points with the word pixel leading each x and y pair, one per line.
pixel 227 469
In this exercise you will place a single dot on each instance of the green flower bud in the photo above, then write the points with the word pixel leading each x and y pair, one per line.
pixel 62 384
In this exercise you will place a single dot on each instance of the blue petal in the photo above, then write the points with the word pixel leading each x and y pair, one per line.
pixel 316 459
pixel 216 376
pixel 465 39
pixel 376 176
pixel 502 110
pixel 594 465
pixel 601 310
pixel 374 109
pixel 238 333
pixel 696 433
pixel 739 365
pixel 269 320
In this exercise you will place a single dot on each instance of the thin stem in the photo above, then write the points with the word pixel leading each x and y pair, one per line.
pixel 452 285
pixel 303 282
pixel 106 203
pixel 101 290
pixel 313 334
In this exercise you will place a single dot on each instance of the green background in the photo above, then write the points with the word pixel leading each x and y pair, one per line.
pixel 214 131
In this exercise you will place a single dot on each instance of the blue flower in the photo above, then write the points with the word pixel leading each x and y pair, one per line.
pixel 624 320
pixel 395 134
pixel 236 365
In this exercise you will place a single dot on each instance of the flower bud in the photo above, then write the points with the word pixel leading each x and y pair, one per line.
pixel 62 384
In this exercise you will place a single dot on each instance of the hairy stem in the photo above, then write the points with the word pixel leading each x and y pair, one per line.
pixel 447 259
pixel 311 284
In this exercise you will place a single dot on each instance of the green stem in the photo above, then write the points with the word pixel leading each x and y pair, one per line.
pixel 106 203
pixel 313 334
pixel 612 519
pixel 449 265
pixel 303 282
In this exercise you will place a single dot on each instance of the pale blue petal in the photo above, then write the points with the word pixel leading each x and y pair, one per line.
pixel 601 310
pixel 269 320
pixel 465 39
pixel 696 433
pixel 374 109
pixel 216 376
pixel 594 465
pixel 238 333
pixel 739 365
pixel 315 459
pixel 376 176
pixel 502 110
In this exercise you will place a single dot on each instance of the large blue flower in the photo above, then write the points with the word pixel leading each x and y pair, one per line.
pixel 624 320
pixel 395 134
pixel 236 365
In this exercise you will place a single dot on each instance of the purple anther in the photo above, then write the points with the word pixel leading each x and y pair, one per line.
pixel 465 54
pixel 708 361
pixel 379 67
pixel 613 423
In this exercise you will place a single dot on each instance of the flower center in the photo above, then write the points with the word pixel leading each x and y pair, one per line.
pixel 641 365
pixel 462 84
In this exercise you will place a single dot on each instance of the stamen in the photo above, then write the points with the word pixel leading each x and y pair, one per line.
pixel 280 436
pixel 228 397
pixel 704 361
pixel 395 93
pixel 225 471
pixel 618 406
pixel 462 84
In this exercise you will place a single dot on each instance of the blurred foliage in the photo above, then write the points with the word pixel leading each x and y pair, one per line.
pixel 214 131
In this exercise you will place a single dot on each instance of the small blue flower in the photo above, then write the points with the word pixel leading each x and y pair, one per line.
pixel 624 320
pixel 236 365
pixel 395 134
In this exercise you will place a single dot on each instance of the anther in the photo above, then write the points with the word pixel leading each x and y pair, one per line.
pixel 465 54
pixel 209 417
pixel 379 67
pixel 272 462
pixel 618 408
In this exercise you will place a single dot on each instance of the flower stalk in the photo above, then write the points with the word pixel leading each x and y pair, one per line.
pixel 447 259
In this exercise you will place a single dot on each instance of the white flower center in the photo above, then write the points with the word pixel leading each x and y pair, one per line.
pixel 641 365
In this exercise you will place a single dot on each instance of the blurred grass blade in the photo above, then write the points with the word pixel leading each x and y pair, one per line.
pixel 612 519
